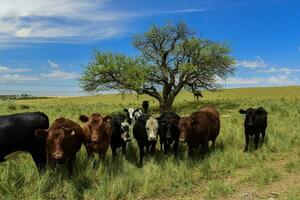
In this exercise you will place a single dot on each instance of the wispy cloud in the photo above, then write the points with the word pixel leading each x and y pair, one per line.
pixel 255 81
pixel 177 11
pixel 66 20
pixel 52 64
pixel 285 70
pixel 258 62
pixel 7 70
pixel 6 78
pixel 60 75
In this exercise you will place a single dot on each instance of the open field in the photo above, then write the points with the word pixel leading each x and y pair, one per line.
pixel 273 171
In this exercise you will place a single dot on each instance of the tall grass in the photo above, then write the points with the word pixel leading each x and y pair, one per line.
pixel 223 174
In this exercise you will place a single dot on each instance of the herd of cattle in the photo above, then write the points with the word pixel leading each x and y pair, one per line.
pixel 59 143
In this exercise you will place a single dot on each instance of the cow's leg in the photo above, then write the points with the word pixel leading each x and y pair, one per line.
pixel 256 139
pixel 190 150
pixel 88 151
pixel 175 148
pixel 124 149
pixel 152 149
pixel 113 150
pixel 40 161
pixel 166 147
pixel 204 149
pixel 148 149
pixel 70 164
pixel 102 155
pixel 213 143
pixel 142 153
pixel 247 140
pixel 263 133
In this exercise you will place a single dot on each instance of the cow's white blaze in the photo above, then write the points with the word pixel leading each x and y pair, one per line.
pixel 152 128
pixel 131 111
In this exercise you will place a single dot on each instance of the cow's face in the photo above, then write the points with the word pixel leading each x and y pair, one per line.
pixel 125 128
pixel 94 123
pixel 185 124
pixel 152 129
pixel 56 142
pixel 250 116
pixel 132 114
pixel 98 126
pixel 169 127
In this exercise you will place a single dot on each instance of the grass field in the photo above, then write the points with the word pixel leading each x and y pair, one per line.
pixel 273 171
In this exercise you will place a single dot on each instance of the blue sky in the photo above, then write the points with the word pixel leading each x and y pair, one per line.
pixel 45 45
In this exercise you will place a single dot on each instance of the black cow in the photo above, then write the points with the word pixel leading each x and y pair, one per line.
pixel 120 135
pixel 17 133
pixel 168 131
pixel 145 132
pixel 255 123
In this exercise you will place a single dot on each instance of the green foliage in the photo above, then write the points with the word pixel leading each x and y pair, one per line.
pixel 171 58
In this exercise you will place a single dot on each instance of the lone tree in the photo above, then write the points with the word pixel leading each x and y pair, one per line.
pixel 171 58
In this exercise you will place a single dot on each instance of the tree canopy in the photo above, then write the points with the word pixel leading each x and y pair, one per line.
pixel 171 58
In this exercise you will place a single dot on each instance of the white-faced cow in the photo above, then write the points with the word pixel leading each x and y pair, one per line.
pixel 145 132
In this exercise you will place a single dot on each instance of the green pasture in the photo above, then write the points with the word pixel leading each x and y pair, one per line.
pixel 273 171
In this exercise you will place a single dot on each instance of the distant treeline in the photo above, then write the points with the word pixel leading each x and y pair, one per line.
pixel 21 96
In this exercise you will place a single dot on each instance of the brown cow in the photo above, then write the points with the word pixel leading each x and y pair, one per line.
pixel 97 133
pixel 63 141
pixel 198 129
pixel 212 110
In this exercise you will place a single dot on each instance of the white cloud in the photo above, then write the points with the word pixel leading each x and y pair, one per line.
pixel 7 70
pixel 179 11
pixel 73 21
pixel 285 70
pixel 271 80
pixel 43 20
pixel 52 64
pixel 258 62
pixel 60 75
pixel 4 78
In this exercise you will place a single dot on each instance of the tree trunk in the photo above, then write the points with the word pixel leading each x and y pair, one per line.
pixel 165 105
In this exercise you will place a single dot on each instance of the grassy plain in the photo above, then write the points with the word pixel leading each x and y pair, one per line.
pixel 273 171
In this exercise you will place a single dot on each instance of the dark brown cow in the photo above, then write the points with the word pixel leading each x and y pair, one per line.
pixel 211 110
pixel 198 129
pixel 63 141
pixel 97 133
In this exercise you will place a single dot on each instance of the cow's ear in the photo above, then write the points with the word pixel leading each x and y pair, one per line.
pixel 107 118
pixel 242 111
pixel 83 118
pixel 125 110
pixel 41 133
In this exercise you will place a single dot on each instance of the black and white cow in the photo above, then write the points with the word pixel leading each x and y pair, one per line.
pixel 168 131
pixel 255 124
pixel 121 133
pixel 145 132
pixel 17 133
pixel 132 114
